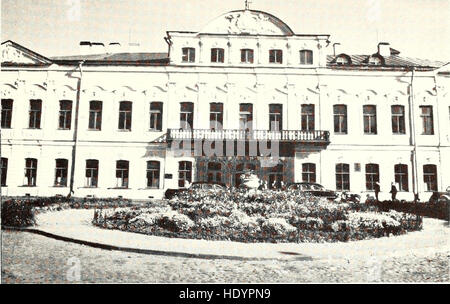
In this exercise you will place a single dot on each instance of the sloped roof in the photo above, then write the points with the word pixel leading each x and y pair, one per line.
pixel 393 61
pixel 118 58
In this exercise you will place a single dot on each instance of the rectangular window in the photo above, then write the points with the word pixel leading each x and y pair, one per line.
pixel 35 114
pixel 62 166
pixel 427 120
pixel 186 115
pixel 95 115
pixel 343 177
pixel 65 114
pixel 153 172
pixel 340 119
pixel 372 176
pixel 430 177
pixel 276 56
pixel 30 172
pixel 401 177
pixel 309 173
pixel 217 55
pixel 246 56
pixel 125 112
pixel 92 173
pixel 216 116
pixel 188 55
pixel 275 117
pixel 398 119
pixel 245 116
pixel 7 107
pixel 307 118
pixel 306 57
pixel 370 119
pixel 122 173
pixel 156 111
pixel 4 171
pixel 184 173
pixel 215 172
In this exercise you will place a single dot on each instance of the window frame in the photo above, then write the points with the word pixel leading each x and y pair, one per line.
pixel 217 55
pixel 61 171
pixel 340 119
pixel 372 176
pixel 125 115
pixel 245 116
pixel 184 172
pixel 214 172
pixel 427 120
pixel 216 115
pixel 153 181
pixel 398 120
pixel 187 115
pixel 4 171
pixel 401 177
pixel 122 174
pixel 95 115
pixel 156 116
pixel 31 172
pixel 276 56
pixel 306 57
pixel 35 114
pixel 6 114
pixel 247 56
pixel 276 115
pixel 65 115
pixel 309 172
pixel 308 117
pixel 92 169
pixel 342 177
pixel 188 55
pixel 431 185
pixel 371 119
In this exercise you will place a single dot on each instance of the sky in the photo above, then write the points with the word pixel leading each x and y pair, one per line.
pixel 417 28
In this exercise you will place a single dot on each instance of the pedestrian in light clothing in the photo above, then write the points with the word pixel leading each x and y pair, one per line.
pixel 393 191
pixel 377 190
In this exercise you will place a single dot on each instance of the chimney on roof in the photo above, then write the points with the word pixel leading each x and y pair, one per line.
pixel 98 48
pixel 384 49
pixel 85 47
pixel 335 48
pixel 114 48
pixel 133 47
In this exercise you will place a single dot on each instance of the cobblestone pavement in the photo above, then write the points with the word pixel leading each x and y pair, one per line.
pixel 30 258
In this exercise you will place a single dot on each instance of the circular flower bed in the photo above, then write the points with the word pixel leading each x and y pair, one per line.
pixel 267 216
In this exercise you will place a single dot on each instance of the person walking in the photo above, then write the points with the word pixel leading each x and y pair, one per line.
pixel 377 190
pixel 393 191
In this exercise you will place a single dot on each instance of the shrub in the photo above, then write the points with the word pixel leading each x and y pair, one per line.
pixel 17 213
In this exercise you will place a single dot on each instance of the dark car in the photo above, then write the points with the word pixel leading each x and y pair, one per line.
pixel 440 196
pixel 170 193
pixel 313 189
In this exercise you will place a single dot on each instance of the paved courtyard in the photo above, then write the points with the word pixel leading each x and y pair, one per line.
pixel 27 257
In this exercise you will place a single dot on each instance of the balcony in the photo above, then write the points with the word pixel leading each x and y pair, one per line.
pixel 254 135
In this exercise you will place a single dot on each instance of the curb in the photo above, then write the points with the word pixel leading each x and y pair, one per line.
pixel 148 251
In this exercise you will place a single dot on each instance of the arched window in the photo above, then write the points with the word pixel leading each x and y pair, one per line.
pixel 375 60
pixel 342 60
pixel 125 112
pixel 122 173
pixel 91 173
pixel 306 57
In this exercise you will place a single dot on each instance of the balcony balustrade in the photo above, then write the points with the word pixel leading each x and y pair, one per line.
pixel 257 135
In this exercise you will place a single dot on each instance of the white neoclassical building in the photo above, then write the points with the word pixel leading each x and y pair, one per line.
pixel 244 93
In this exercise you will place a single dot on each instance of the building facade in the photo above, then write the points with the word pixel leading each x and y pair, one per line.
pixel 244 93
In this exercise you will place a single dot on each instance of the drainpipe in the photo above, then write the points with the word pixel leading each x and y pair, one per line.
pixel 75 136
pixel 438 132
pixel 412 128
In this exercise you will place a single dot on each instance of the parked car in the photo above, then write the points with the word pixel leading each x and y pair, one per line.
pixel 440 196
pixel 170 193
pixel 313 189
